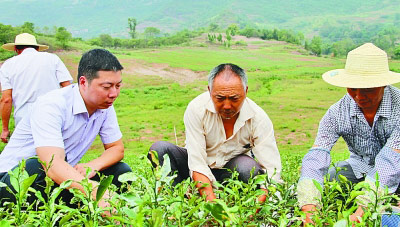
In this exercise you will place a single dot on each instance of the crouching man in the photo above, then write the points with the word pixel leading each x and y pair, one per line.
pixel 63 125
pixel 225 130
pixel 367 118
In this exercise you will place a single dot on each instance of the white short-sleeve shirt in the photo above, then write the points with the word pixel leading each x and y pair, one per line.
pixel 30 75
pixel 60 119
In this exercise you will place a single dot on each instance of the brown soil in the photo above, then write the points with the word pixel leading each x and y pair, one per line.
pixel 180 75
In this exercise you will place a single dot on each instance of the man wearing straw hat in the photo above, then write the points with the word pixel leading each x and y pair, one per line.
pixel 27 76
pixel 368 119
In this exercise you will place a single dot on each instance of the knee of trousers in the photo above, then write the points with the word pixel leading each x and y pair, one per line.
pixel 162 148
pixel 121 168
pixel 247 167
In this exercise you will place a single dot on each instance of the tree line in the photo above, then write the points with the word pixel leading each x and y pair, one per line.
pixel 334 41
pixel 7 35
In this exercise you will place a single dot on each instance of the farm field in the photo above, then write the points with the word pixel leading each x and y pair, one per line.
pixel 157 86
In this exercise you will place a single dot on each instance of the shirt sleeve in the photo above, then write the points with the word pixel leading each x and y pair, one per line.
pixel 388 169
pixel 5 78
pixel 62 72
pixel 109 131
pixel 317 161
pixel 265 149
pixel 46 123
pixel 196 143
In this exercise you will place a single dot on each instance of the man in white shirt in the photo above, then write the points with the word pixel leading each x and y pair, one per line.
pixel 224 130
pixel 27 76
pixel 64 123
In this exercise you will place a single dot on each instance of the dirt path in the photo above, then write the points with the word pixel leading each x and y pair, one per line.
pixel 180 75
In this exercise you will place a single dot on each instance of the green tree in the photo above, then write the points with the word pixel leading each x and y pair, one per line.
pixel 117 42
pixel 63 37
pixel 106 40
pixel 219 38
pixel 228 37
pixel 316 45
pixel 132 22
pixel 397 52
pixel 151 32
pixel 234 29
pixel 342 47
pixel 7 33
pixel 28 27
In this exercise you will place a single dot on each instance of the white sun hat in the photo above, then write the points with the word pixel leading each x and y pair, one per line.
pixel 366 67
pixel 24 39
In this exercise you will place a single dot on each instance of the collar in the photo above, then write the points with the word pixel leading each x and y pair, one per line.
pixel 78 106
pixel 29 50
pixel 384 109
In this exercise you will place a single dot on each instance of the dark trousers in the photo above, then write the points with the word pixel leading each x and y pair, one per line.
pixel 34 167
pixel 178 157
pixel 345 170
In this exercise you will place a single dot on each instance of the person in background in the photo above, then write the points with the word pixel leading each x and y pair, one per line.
pixel 368 119
pixel 27 76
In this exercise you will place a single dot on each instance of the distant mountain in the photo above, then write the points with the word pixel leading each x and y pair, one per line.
pixel 89 18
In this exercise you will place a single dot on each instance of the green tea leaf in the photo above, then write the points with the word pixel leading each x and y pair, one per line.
pixel 104 184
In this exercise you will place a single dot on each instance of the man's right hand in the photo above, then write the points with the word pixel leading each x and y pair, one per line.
pixel 309 210
pixel 4 135
pixel 204 190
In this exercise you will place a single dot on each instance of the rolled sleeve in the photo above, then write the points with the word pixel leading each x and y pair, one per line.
pixel 196 144
pixel 62 72
pixel 46 124
pixel 266 151
pixel 307 193
pixel 109 131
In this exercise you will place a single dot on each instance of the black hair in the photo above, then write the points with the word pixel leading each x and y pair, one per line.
pixel 97 60
pixel 21 47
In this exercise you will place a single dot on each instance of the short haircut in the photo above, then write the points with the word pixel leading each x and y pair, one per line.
pixel 227 66
pixel 22 47
pixel 97 60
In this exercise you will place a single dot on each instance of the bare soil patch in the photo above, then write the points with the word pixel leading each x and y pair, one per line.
pixel 163 70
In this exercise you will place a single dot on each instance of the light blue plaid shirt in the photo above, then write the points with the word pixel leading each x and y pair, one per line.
pixel 371 148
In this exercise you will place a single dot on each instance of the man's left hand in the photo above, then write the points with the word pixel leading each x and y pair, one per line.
pixel 81 168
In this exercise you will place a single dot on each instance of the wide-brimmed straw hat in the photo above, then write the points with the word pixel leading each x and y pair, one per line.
pixel 366 67
pixel 24 39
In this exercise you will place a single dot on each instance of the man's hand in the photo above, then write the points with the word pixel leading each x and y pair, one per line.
pixel 204 190
pixel 81 168
pixel 359 213
pixel 4 135
pixel 309 210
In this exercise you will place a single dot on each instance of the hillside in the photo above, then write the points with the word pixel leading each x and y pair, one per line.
pixel 87 19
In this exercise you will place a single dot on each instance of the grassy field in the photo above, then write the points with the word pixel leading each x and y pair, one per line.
pixel 286 84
